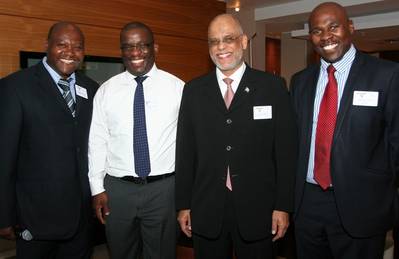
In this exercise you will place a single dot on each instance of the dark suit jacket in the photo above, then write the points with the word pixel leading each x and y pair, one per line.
pixel 364 157
pixel 260 153
pixel 43 150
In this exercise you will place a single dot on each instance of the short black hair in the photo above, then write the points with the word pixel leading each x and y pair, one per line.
pixel 56 26
pixel 137 25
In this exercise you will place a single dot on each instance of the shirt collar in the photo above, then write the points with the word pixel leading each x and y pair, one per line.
pixel 236 76
pixel 150 73
pixel 54 75
pixel 344 63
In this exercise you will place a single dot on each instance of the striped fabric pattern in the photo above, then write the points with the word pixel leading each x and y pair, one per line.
pixel 341 74
pixel 67 95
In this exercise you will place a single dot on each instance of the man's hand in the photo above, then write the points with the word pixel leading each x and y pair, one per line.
pixel 280 222
pixel 184 219
pixel 7 233
pixel 100 206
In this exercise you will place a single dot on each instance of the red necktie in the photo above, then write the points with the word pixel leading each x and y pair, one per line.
pixel 228 97
pixel 325 131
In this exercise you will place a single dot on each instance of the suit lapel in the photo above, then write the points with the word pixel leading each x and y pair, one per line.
pixel 311 85
pixel 246 88
pixel 80 101
pixel 212 90
pixel 50 89
pixel 346 99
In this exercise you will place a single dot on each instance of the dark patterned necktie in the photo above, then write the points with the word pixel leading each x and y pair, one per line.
pixel 67 95
pixel 140 142
pixel 325 131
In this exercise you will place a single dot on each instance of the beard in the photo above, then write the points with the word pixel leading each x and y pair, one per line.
pixel 230 66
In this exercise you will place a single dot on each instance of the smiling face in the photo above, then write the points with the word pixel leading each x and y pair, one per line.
pixel 330 31
pixel 226 44
pixel 138 50
pixel 65 49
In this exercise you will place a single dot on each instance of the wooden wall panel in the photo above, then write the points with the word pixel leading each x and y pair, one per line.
pixel 273 56
pixel 180 29
pixel 187 18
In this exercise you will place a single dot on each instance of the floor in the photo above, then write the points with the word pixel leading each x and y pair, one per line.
pixel 183 252
pixel 100 252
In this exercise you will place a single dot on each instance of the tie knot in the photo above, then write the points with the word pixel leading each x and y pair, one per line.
pixel 331 69
pixel 64 84
pixel 228 81
pixel 140 79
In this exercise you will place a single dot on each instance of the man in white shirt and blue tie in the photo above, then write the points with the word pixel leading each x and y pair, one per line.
pixel 132 151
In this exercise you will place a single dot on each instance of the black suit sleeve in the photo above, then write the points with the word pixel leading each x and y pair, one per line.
pixel 10 130
pixel 185 153
pixel 392 119
pixel 285 151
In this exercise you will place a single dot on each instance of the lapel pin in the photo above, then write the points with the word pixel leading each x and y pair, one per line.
pixel 246 89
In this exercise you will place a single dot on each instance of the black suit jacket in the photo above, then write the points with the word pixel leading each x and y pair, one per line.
pixel 365 155
pixel 260 153
pixel 43 149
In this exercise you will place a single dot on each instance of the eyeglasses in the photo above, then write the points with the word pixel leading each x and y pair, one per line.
pixel 141 46
pixel 226 40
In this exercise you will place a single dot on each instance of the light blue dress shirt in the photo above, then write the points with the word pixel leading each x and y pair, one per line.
pixel 342 67
pixel 56 77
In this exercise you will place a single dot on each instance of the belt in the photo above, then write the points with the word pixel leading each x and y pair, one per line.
pixel 148 179
pixel 317 187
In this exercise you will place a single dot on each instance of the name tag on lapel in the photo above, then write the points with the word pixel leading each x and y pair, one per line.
pixel 263 112
pixel 81 91
pixel 365 98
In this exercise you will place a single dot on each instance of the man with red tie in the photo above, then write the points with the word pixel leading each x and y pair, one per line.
pixel 347 112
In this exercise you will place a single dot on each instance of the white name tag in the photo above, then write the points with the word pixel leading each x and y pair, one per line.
pixel 365 98
pixel 81 91
pixel 262 112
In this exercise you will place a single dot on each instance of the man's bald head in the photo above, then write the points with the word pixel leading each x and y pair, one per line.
pixel 62 25
pixel 65 48
pixel 330 31
pixel 322 8
pixel 227 43
pixel 226 18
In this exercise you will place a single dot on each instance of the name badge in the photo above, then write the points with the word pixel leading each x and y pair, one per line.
pixel 262 112
pixel 365 98
pixel 81 91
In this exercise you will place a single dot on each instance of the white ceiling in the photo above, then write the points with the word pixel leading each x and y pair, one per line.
pixel 377 21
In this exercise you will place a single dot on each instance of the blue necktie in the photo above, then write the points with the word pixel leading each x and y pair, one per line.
pixel 140 143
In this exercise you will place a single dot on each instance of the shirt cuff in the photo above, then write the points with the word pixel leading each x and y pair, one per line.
pixel 96 186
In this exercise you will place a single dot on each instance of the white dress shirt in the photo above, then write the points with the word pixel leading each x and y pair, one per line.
pixel 341 74
pixel 236 76
pixel 111 132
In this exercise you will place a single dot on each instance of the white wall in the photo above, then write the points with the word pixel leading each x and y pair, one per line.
pixel 293 56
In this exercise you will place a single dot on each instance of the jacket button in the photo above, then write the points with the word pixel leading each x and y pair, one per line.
pixel 228 148
pixel 229 121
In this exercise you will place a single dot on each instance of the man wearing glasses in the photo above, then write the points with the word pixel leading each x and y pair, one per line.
pixel 132 152
pixel 235 153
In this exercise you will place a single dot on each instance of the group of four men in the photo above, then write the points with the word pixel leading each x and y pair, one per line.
pixel 241 143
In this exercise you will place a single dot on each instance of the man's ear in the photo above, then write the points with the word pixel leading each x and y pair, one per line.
pixel 46 45
pixel 156 48
pixel 351 27
pixel 244 41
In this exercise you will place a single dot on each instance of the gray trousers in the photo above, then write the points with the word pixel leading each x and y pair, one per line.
pixel 142 221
